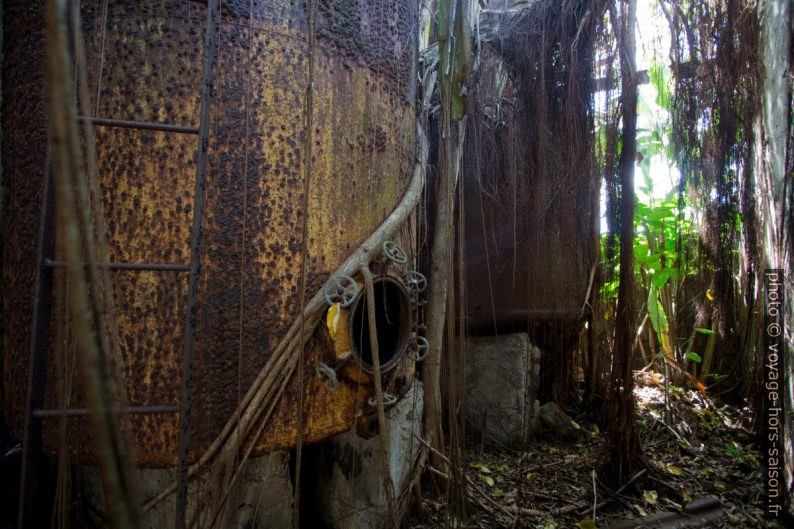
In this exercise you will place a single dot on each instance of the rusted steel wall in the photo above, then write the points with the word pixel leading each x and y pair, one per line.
pixel 531 215
pixel 145 64
pixel 24 155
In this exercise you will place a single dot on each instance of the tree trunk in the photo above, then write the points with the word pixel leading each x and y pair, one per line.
pixel 625 453
pixel 454 66
pixel 775 192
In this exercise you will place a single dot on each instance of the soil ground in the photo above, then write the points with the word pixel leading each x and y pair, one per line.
pixel 705 456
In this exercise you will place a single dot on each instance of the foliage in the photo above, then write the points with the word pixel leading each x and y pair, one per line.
pixel 666 244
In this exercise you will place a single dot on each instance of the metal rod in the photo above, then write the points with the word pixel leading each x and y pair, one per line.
pixel 141 125
pixel 211 39
pixel 166 267
pixel 130 410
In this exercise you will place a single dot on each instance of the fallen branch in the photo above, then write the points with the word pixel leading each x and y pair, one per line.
pixel 606 501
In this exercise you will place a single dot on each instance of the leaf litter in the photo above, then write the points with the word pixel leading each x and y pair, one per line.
pixel 705 454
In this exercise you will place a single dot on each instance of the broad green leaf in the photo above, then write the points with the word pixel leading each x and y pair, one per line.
pixel 656 312
pixel 694 357
pixel 660 278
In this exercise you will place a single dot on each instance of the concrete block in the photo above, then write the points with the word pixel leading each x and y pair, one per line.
pixel 262 497
pixel 502 376
pixel 349 490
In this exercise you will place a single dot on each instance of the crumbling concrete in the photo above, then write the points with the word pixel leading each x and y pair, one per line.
pixel 348 491
pixel 501 384
pixel 261 498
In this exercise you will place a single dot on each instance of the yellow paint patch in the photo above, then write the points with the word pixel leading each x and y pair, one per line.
pixel 331 319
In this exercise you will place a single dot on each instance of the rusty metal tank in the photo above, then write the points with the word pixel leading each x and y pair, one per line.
pixel 144 64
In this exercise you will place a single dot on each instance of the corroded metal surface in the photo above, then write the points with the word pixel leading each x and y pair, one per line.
pixel 24 154
pixel 363 134
pixel 531 234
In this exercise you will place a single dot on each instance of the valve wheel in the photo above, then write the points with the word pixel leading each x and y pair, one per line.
pixel 388 400
pixel 328 376
pixel 340 289
pixel 395 252
pixel 415 281
pixel 421 347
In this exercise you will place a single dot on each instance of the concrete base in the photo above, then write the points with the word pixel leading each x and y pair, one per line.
pixel 261 499
pixel 348 492
pixel 501 383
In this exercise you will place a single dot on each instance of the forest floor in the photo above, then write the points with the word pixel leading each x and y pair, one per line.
pixel 702 472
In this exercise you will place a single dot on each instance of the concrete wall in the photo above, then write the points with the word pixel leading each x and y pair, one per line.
pixel 501 384
pixel 348 488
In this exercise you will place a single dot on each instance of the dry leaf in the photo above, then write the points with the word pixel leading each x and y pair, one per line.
pixel 481 467
pixel 650 496
pixel 587 523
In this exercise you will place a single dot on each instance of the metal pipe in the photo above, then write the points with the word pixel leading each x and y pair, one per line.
pixel 211 44
pixel 130 410
pixel 139 125
pixel 163 267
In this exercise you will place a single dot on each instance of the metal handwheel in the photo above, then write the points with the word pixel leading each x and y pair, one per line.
pixel 421 347
pixel 415 281
pixel 328 376
pixel 340 289
pixel 395 252
pixel 388 400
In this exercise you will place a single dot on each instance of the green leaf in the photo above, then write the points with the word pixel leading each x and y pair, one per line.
pixel 660 278
pixel 587 523
pixel 656 312
pixel 704 331
pixel 694 357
